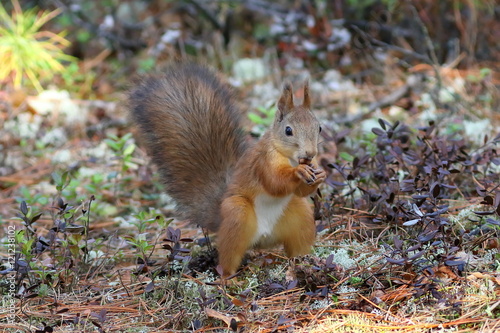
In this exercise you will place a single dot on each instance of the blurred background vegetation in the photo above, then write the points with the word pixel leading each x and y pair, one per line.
pixel 100 44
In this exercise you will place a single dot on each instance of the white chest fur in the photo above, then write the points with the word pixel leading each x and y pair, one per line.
pixel 268 210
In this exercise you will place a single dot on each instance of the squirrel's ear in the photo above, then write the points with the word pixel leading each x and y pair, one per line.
pixel 307 99
pixel 285 104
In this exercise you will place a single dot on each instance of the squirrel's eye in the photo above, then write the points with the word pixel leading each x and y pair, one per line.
pixel 288 131
pixel 320 129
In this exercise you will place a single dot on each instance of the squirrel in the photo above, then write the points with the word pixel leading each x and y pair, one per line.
pixel 252 196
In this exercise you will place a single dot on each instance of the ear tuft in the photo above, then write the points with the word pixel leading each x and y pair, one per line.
pixel 285 103
pixel 307 99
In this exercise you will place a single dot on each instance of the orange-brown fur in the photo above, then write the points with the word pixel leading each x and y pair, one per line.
pixel 221 192
pixel 263 170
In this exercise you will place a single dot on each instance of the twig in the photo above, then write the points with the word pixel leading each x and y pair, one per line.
pixel 430 47
pixel 123 284
pixel 396 95
pixel 86 231
pixel 386 46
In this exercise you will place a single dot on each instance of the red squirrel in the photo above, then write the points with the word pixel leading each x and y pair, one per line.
pixel 253 196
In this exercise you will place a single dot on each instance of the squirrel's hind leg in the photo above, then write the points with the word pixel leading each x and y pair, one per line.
pixel 237 229
pixel 296 228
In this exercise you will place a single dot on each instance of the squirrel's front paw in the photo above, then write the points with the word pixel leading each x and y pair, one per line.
pixel 320 175
pixel 306 173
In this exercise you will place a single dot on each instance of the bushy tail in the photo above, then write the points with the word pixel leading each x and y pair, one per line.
pixel 191 127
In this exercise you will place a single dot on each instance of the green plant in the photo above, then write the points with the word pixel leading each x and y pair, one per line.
pixel 31 198
pixel 61 180
pixel 25 51
pixel 123 150
pixel 26 240
pixel 264 117
pixel 483 74
pixel 146 65
pixel 147 218
pixel 143 247
pixel 78 80
pixel 67 243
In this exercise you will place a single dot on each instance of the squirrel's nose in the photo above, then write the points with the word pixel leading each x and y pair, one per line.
pixel 310 154
pixel 307 157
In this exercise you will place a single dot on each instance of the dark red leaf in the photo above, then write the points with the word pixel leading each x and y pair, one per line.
pixel 488 200
pixel 411 222
pixel 276 286
pixel 414 247
pixel 292 284
pixel 484 213
pixel 481 191
pixel 35 218
pixel 417 255
pixel 398 243
pixel 283 320
pixel 378 131
pixel 233 325
pixel 427 237
pixel 150 287
pixel 382 123
pixel 24 207
pixel 355 162
pixel 96 323
pixel 334 183
pixel 492 221
pixel 435 190
pixel 399 262
pixel 391 198
pixel 454 262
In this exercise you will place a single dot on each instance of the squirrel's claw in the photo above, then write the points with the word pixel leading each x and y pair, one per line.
pixel 319 175
pixel 306 173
